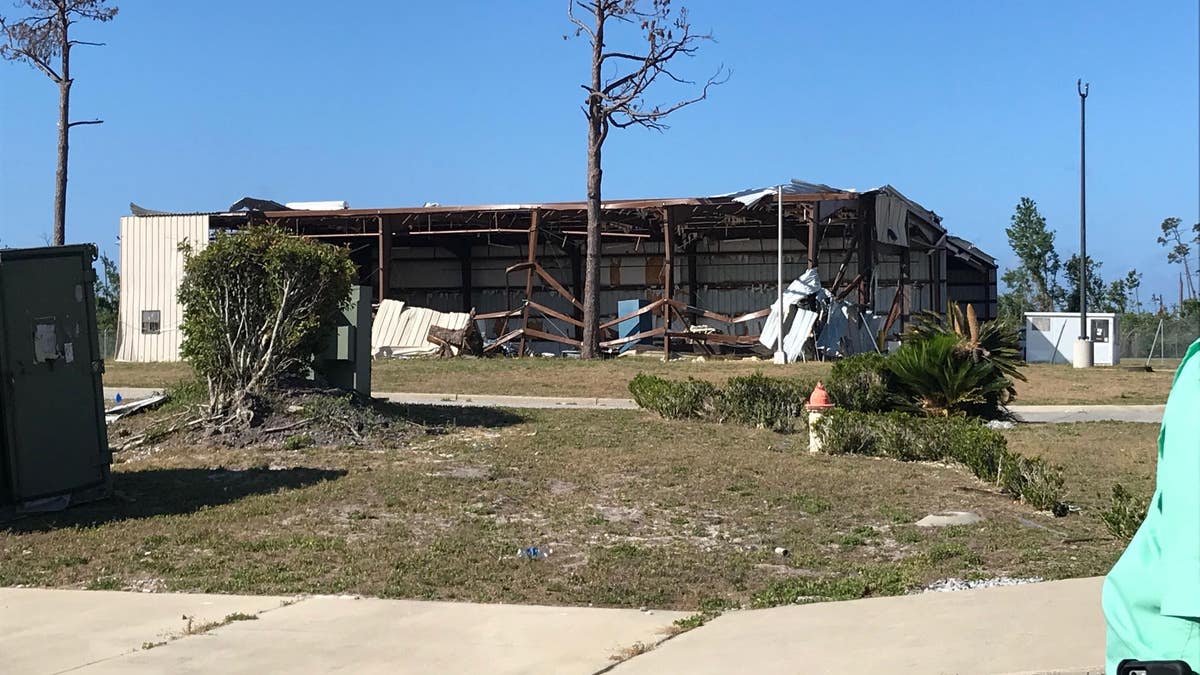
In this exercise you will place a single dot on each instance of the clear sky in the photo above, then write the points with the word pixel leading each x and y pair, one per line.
pixel 963 105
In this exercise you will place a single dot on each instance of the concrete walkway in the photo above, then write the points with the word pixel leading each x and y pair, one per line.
pixel 1051 627
pixel 1054 627
pixel 54 631
pixel 1151 414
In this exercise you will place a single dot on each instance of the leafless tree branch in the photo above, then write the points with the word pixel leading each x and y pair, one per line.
pixel 81 122
pixel 619 101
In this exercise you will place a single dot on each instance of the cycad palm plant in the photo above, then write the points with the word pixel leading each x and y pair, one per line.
pixel 955 364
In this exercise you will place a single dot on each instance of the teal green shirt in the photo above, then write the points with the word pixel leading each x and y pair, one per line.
pixel 1152 595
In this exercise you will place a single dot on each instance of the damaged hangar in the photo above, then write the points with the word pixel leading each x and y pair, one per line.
pixel 690 274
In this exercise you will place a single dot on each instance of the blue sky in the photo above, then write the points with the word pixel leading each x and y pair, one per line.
pixel 963 105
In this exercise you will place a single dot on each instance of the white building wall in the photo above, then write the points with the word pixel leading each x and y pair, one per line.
pixel 1050 337
pixel 151 270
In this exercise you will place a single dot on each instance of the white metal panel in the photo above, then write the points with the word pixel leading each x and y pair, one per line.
pixel 1050 337
pixel 151 271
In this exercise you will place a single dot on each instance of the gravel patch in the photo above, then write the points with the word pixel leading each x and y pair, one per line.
pixel 954 584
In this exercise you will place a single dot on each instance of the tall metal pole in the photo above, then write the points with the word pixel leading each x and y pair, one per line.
pixel 1083 268
pixel 779 355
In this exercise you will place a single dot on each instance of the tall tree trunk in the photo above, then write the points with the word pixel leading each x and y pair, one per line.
pixel 597 124
pixel 64 129
pixel 60 175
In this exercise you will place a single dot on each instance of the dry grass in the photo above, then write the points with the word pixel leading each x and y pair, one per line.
pixel 1062 384
pixel 118 374
pixel 1094 455
pixel 638 512
pixel 1047 384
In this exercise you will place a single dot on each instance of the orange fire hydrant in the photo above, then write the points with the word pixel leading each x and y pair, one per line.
pixel 818 403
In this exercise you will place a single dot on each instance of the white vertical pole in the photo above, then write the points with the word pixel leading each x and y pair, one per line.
pixel 780 356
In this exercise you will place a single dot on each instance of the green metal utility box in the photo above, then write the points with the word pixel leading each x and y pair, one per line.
pixel 346 360
pixel 53 440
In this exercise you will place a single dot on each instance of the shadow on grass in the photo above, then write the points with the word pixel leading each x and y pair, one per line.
pixel 449 416
pixel 162 492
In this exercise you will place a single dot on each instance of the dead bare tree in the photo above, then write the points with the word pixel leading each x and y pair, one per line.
pixel 38 39
pixel 616 97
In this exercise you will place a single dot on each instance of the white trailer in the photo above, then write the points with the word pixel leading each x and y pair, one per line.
pixel 1050 337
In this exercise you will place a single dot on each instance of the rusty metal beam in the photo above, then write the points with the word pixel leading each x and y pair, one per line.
pixel 500 315
pixel 653 306
pixel 507 337
pixel 553 283
pixel 668 227
pixel 385 259
pixel 542 335
pixel 555 314
pixel 633 338
pixel 532 261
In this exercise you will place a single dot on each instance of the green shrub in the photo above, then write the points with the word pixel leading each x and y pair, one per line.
pixel 935 377
pixel 185 394
pixel 861 382
pixel 982 450
pixel 673 399
pixel 764 402
pixel 754 400
pixel 257 305
pixel 1125 513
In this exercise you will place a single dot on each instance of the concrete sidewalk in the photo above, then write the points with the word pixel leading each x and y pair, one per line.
pixel 52 631
pixel 1151 414
pixel 1050 627
pixel 1055 627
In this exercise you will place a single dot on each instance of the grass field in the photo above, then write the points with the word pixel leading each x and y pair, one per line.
pixel 638 512
pixel 1047 384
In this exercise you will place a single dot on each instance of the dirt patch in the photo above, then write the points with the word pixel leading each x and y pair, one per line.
pixel 294 418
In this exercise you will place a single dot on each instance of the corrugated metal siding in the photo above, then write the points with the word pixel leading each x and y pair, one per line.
pixel 151 269
pixel 399 326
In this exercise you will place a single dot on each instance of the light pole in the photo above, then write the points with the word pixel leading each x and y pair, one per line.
pixel 1083 346
pixel 780 356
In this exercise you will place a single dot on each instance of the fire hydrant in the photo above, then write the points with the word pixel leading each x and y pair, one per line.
pixel 817 404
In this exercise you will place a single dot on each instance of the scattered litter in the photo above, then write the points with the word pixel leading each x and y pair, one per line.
pixel 1000 424
pixel 118 411
pixel 949 518
pixel 955 584
pixel 533 553
pixel 782 552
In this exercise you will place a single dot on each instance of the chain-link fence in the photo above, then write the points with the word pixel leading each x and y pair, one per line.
pixel 1166 338
pixel 108 343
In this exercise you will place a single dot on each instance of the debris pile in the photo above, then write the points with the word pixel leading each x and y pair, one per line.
pixel 401 330
pixel 839 326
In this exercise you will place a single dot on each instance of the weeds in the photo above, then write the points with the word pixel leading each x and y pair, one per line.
pixel 984 451
pixel 866 582
pixel 1125 513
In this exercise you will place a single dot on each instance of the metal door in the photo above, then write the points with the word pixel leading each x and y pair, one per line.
pixel 53 405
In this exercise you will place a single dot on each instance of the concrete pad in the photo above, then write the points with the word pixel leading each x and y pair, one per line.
pixel 949 518
pixel 327 634
pixel 1036 628
pixel 49 631
pixel 129 393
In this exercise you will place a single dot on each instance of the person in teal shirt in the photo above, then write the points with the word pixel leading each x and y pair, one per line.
pixel 1151 597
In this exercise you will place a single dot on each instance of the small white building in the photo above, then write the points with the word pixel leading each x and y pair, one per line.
pixel 1050 337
